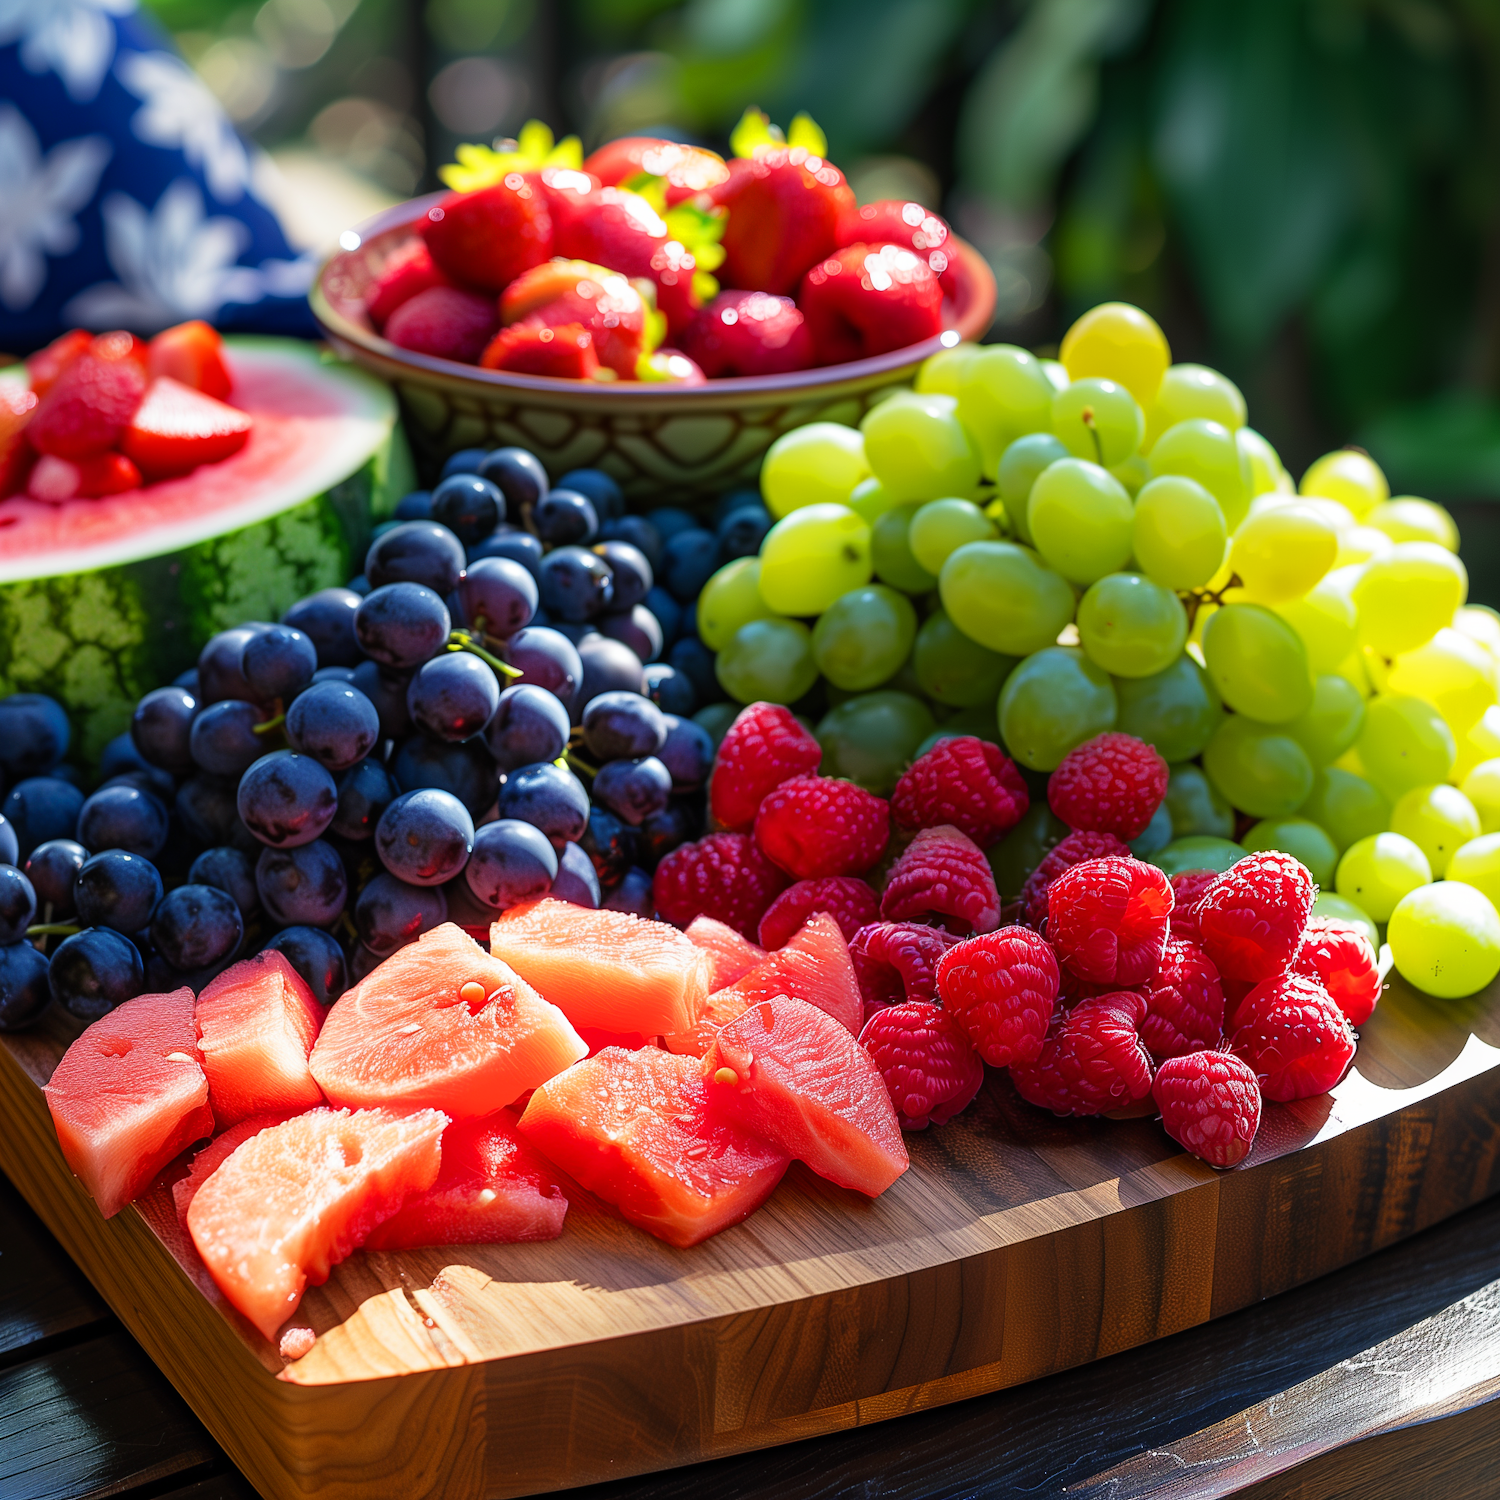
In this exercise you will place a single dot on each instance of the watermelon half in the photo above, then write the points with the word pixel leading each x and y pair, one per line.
pixel 103 600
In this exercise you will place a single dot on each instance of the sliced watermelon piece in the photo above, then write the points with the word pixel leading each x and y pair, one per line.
pixel 177 429
pixel 732 953
pixel 211 1157
pixel 441 1023
pixel 638 1129
pixel 291 1202
pixel 794 1076
pixel 257 1023
pixel 128 1095
pixel 192 353
pixel 493 1189
pixel 606 970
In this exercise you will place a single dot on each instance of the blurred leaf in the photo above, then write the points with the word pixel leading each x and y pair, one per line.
pixel 805 132
pixel 753 131
pixel 1447 446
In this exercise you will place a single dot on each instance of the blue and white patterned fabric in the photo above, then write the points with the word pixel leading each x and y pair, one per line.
pixel 126 195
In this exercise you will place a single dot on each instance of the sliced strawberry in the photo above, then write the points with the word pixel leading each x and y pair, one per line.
pixel 895 221
pixel 192 353
pixel 16 406
pixel 574 291
pixel 445 321
pixel 60 479
pixel 869 299
pixel 178 428
pixel 409 271
pixel 749 333
pixel 485 239
pixel 566 350
pixel 43 367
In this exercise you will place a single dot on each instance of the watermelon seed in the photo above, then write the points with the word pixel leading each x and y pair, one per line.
pixel 178 1057
pixel 728 1077
pixel 472 993
pixel 409 1030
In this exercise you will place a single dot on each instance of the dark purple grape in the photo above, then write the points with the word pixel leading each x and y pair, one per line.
pixel 327 620
pixel 424 837
pixel 279 663
pixel 42 808
pixel 386 689
pixel 687 753
pixel 515 546
pixel 317 957
pixel 607 498
pixel 52 869
pixel 668 613
pixel 390 913
pixel 286 799
pixel 621 726
pixel 547 660
pixel 465 461
pixel 688 561
pixel 518 474
pixel 206 806
pixel 563 518
pixel 118 890
pixel 335 724
pixel 224 741
pixel 696 662
pixel 633 894
pixel 637 628
pixel 529 724
pixel 228 870
pixel 639 533
pixel 160 727
pixel 453 696
pixel 123 817
pixel 575 584
pixel 219 672
pixel 362 962
pixel 632 573
pixel 359 585
pixel 669 690
pixel 676 824
pixel 499 596
pixel 548 797
pixel 668 520
pixel 415 505
pixel 576 879
pixel 365 791
pixel 95 970
pixel 302 887
pixel 334 674
pixel 742 531
pixel 17 904
pixel 33 733
pixel 120 758
pixel 469 506
pixel 633 789
pixel 465 769
pixel 421 552
pixel 610 843
pixel 23 985
pixel 578 634
pixel 402 625
pixel 512 862
pixel 187 681
pixel 608 666
pixel 10 845
pixel 197 925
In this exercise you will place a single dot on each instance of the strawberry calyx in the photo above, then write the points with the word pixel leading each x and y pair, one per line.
pixel 755 133
pixel 698 229
pixel 534 148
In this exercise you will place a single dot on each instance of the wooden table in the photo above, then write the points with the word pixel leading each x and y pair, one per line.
pixel 1377 1381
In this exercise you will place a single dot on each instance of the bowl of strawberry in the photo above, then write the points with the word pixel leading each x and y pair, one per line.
pixel 654 310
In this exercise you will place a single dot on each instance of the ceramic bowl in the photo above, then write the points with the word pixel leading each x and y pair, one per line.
pixel 662 442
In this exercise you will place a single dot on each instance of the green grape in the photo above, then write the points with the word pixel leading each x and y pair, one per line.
pixel 1003 394
pixel 1404 743
pixel 1155 836
pixel 1118 342
pixel 1349 476
pixel 1000 595
pixel 811 557
pixel 1330 904
pixel 872 738
pixel 1445 939
pixel 1207 452
pixel 1260 768
pixel 863 637
pixel 1362 544
pixel 918 448
pixel 953 669
pixel 1282 552
pixel 1189 391
pixel 941 527
pixel 1345 806
pixel 869 501
pixel 770 659
pixel 1023 461
pixel 1482 787
pixel 1477 863
pixel 1098 420
pixel 1333 722
pixel 1080 519
pixel 1437 819
pixel 1198 853
pixel 814 465
pixel 1378 871
pixel 1178 533
pixel 1480 623
pixel 1266 473
pixel 943 372
pixel 1326 620
pixel 716 719
pixel 1452 672
pixel 1054 701
pixel 1298 837
pixel 1258 663
pixel 1177 710
pixel 977 722
pixel 1195 805
pixel 890 551
pixel 1407 519
pixel 994 509
pixel 1481 743
pixel 1024 848
pixel 1057 374
pixel 730 598
pixel 1407 596
pixel 1133 472
pixel 1131 626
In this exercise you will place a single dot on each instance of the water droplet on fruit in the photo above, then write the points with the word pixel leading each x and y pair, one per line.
pixel 728 1077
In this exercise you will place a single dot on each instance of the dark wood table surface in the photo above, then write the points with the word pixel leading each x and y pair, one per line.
pixel 1378 1381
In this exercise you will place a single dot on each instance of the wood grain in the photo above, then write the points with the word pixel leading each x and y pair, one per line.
pixel 1018 1246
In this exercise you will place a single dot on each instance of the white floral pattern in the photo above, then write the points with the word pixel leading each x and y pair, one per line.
pixel 73 38
pixel 179 113
pixel 40 195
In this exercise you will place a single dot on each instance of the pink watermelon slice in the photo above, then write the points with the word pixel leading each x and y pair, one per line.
pixel 257 1022
pixel 291 1202
pixel 791 1074
pixel 606 970
pixel 443 1024
pixel 128 1095
pixel 492 1189
pixel 638 1129
pixel 732 953
pixel 211 1157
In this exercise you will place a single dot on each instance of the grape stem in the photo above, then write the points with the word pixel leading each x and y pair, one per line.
pixel 269 725
pixel 466 640
pixel 53 929
pixel 577 763
pixel 1196 597
pixel 1087 416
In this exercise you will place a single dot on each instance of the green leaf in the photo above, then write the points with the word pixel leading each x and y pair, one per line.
pixel 481 166
pixel 804 132
pixel 754 131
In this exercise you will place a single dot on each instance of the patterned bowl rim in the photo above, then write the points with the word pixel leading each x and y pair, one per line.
pixel 971 321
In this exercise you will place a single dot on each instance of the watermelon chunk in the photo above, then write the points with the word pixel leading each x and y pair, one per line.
pixel 638 1129
pixel 257 1023
pixel 211 1157
pixel 176 429
pixel 731 952
pixel 292 1201
pixel 492 1189
pixel 441 1023
pixel 794 1076
pixel 128 1095
pixel 606 970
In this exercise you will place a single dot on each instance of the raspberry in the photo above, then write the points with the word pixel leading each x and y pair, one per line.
pixel 1184 1002
pixel 927 1060
pixel 723 876
pixel 765 745
pixel 851 903
pixel 1112 783
pixel 1251 918
pixel 88 407
pixel 966 782
pixel 1210 1105
pixel 1294 1037
pixel 944 874
pixel 821 825
pixel 1108 918
pixel 1003 987
pixel 897 961
pixel 1063 855
pixel 1092 1060
pixel 1187 892
pixel 1340 957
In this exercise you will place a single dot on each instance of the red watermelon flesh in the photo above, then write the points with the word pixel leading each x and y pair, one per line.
pixel 257 1023
pixel 408 1034
pixel 492 1189
pixel 292 1201
pixel 128 1095
pixel 175 429
pixel 639 1129
pixel 791 1074
pixel 731 953
pixel 211 1157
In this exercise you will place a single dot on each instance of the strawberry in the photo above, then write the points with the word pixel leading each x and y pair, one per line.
pixel 574 291
pixel 88 405
pixel 566 350
pixel 445 321
pixel 192 353
pixel 178 428
pixel 892 221
pixel 669 367
pixel 685 170
pixel 869 299
pixel 59 479
pixel 16 406
pixel 410 270
pixel 43 367
pixel 487 238
pixel 749 333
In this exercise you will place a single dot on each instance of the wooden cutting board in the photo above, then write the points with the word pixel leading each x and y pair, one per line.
pixel 1017 1245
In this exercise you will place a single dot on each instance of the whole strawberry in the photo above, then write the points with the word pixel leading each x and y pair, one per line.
pixel 1003 987
pixel 1092 1060
pixel 895 221
pixel 408 271
pixel 749 333
pixel 1112 783
pixel 866 300
pixel 723 876
pixel 1210 1105
pixel 821 825
pixel 1252 917
pixel 927 1060
pixel 446 322
pixel 486 238
pixel 943 874
pixel 896 961
pixel 1293 1036
pixel 965 781
pixel 89 405
pixel 1107 919
pixel 764 747
pixel 686 170
pixel 850 902
pixel 565 292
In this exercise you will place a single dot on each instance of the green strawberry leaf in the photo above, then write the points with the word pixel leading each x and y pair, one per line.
pixel 754 131
pixel 804 131
pixel 481 166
